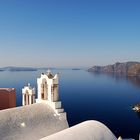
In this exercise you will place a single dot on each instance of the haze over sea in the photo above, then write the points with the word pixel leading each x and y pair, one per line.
pixel 88 96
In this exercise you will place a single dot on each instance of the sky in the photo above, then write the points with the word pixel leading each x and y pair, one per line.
pixel 69 33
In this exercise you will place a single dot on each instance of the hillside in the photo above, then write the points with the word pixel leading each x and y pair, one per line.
pixel 127 69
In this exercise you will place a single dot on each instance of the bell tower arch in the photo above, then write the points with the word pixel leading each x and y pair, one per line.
pixel 28 95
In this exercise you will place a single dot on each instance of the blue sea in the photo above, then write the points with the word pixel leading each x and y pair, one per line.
pixel 87 96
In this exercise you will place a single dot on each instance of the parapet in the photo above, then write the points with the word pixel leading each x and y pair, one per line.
pixel 7 90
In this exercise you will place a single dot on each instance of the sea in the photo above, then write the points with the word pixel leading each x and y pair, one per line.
pixel 88 96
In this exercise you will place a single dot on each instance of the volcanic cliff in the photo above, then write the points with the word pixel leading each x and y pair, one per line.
pixel 127 69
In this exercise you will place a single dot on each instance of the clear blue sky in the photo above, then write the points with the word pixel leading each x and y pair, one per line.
pixel 69 32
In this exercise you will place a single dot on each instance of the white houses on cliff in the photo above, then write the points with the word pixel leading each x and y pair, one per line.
pixel 47 92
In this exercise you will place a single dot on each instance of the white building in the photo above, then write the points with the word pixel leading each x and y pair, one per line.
pixel 47 93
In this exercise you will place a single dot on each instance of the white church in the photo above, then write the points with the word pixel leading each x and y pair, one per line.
pixel 47 92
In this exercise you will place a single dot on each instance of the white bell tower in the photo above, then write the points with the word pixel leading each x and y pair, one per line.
pixel 47 86
pixel 48 91
pixel 28 95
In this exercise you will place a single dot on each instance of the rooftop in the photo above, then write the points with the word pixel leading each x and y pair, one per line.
pixel 7 89
pixel 31 122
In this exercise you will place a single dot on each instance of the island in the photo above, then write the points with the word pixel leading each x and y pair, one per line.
pixel 11 68
pixel 76 69
pixel 125 69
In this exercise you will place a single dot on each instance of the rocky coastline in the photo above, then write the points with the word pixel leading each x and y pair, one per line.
pixel 125 69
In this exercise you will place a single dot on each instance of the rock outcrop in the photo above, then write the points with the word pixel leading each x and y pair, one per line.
pixel 127 69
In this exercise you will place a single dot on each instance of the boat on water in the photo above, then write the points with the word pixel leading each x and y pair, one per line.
pixel 136 108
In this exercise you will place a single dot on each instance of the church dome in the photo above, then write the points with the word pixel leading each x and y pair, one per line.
pixel 88 130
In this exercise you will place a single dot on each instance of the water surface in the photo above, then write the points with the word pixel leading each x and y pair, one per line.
pixel 88 96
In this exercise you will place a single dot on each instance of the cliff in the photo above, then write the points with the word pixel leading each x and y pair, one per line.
pixel 127 69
